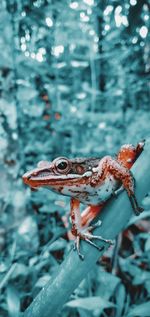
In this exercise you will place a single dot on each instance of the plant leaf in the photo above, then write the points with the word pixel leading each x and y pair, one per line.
pixel 90 303
pixel 13 301
pixel 142 310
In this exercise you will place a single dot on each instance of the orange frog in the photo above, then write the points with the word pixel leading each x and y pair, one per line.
pixel 91 181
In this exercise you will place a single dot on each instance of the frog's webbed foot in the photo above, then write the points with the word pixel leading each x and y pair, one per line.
pixel 87 238
pixel 84 234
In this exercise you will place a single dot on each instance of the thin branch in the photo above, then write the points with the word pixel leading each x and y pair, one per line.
pixel 7 276
pixel 72 271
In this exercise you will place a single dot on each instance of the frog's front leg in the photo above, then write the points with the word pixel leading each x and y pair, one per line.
pixel 122 174
pixel 84 232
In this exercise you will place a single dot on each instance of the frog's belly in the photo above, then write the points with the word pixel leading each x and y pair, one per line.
pixel 101 193
pixel 89 195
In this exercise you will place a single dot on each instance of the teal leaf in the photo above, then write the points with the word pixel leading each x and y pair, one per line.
pixel 142 310
pixel 13 301
pixel 90 303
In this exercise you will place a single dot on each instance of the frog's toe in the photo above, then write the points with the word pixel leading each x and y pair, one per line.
pixel 94 225
pixel 77 247
pixel 90 236
pixel 97 224
pixel 138 210
pixel 85 235
pixel 94 244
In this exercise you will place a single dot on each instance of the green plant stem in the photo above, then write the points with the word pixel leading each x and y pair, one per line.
pixel 72 271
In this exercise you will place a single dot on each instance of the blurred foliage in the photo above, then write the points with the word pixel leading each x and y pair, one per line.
pixel 73 82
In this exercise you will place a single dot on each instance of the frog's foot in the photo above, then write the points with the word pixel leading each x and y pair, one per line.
pixel 137 209
pixel 87 239
pixel 84 234
pixel 77 247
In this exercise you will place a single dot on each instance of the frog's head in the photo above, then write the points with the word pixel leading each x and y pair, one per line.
pixel 61 174
pixel 129 153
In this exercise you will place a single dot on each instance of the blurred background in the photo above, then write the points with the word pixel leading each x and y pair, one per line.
pixel 73 82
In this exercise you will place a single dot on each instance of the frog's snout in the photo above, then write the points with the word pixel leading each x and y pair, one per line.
pixel 26 177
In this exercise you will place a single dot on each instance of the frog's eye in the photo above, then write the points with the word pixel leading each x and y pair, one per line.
pixel 62 165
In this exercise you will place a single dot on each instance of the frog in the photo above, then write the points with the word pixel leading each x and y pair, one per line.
pixel 90 181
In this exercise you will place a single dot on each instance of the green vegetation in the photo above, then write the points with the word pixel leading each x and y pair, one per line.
pixel 73 82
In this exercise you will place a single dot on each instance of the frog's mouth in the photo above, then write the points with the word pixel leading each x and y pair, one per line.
pixel 38 178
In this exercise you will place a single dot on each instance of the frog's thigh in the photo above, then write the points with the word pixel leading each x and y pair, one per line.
pixel 119 172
